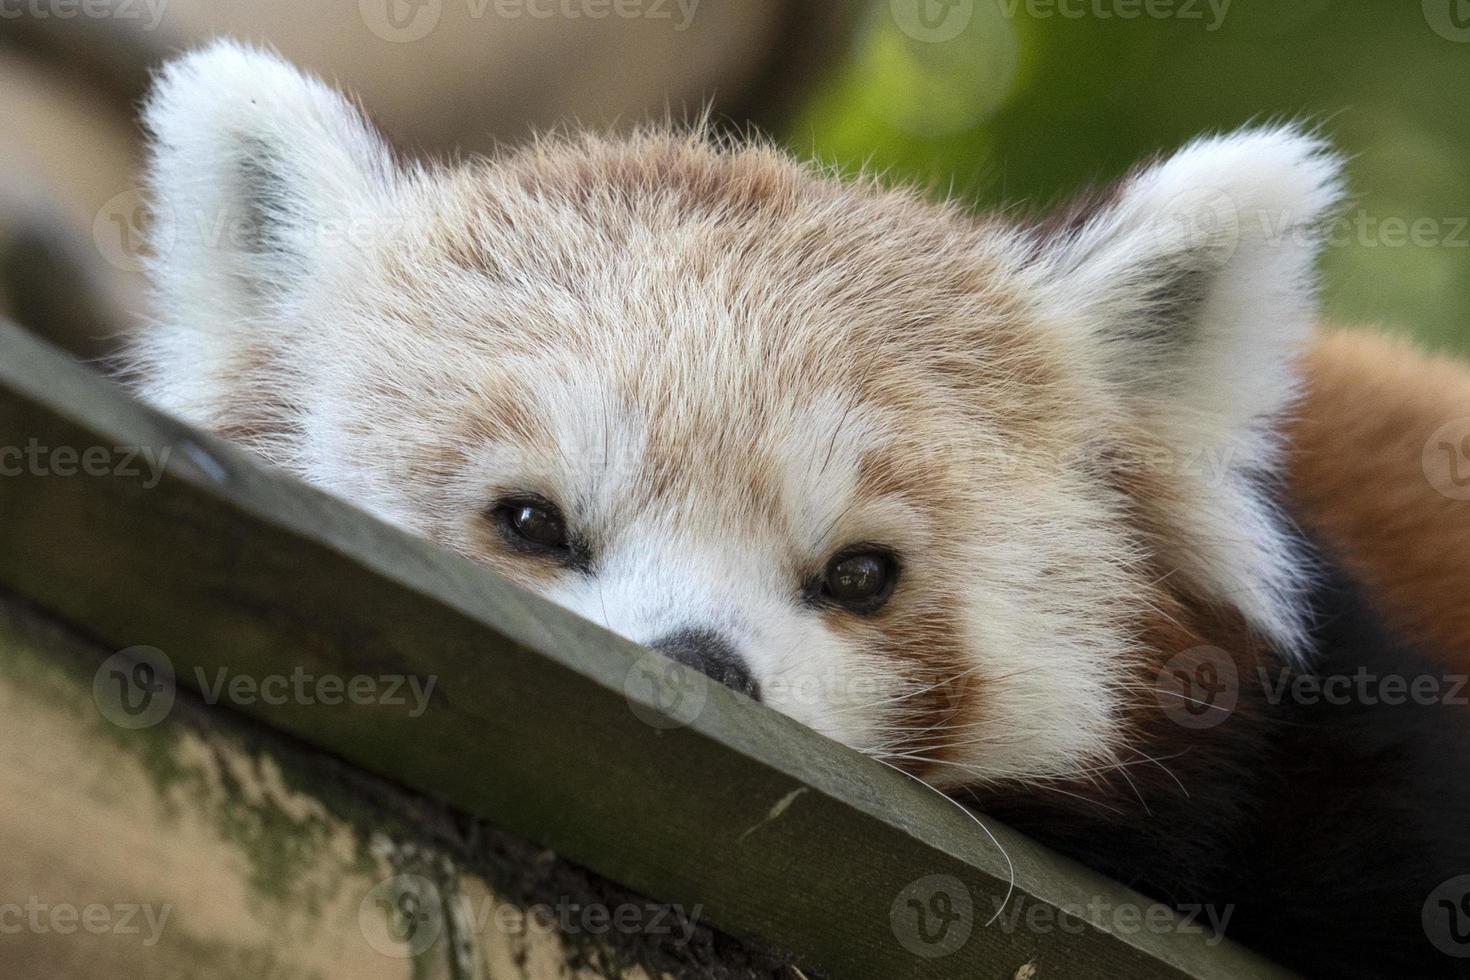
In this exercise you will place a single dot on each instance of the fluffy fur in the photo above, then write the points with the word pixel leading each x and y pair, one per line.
pixel 725 368
pixel 1372 410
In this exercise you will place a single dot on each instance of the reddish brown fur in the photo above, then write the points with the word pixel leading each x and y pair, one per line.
pixel 1358 480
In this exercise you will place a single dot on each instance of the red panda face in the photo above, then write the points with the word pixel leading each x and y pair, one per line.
pixel 867 459
pixel 847 499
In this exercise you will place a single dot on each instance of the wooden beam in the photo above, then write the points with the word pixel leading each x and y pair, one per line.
pixel 203 846
pixel 539 722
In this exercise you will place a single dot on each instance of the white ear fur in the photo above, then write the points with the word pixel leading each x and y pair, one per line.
pixel 256 172
pixel 1194 289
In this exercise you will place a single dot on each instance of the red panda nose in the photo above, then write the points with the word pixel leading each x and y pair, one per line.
pixel 711 655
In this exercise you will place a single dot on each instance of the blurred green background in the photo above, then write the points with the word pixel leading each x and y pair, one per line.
pixel 1023 102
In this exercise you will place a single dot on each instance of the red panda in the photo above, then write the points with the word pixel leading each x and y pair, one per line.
pixel 1069 519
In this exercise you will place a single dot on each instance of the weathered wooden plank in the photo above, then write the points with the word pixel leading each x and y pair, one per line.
pixel 538 721
pixel 155 837
pixel 202 848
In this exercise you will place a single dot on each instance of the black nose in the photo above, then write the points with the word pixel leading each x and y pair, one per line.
pixel 711 655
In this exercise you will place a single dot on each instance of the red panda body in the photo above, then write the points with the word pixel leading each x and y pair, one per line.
pixel 1326 818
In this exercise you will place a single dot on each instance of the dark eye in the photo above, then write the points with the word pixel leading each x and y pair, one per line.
pixel 534 523
pixel 861 579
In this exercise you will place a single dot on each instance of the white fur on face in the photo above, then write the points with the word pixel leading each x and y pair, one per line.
pixel 705 558
pixel 726 368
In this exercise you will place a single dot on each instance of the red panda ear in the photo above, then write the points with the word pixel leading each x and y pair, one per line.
pixel 1192 291
pixel 264 182
pixel 254 168
pixel 1202 265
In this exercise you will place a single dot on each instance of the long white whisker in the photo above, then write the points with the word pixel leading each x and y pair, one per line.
pixel 1011 886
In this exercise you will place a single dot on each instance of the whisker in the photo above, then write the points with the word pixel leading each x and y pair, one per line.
pixel 1011 886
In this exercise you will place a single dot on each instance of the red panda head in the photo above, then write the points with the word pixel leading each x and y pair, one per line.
pixel 936 486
